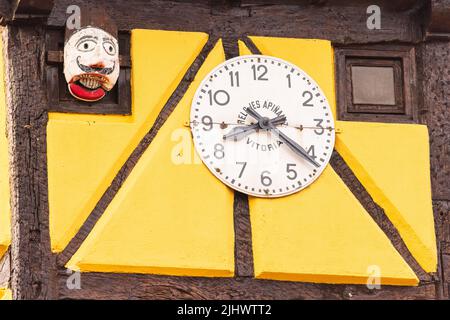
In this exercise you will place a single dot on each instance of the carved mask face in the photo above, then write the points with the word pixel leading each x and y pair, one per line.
pixel 91 63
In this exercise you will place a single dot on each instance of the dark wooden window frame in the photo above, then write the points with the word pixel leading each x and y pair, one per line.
pixel 401 58
pixel 117 101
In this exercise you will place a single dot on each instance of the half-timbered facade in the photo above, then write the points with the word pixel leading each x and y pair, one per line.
pixel 103 195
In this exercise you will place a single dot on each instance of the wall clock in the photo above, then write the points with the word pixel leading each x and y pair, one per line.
pixel 262 126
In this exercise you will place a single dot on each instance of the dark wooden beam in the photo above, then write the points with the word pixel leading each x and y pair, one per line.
pixel 296 21
pixel 439 20
pixel 28 10
pixel 140 286
pixel 32 262
pixel 396 5
pixel 6 11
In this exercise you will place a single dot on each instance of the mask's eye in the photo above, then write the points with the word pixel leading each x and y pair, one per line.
pixel 109 47
pixel 86 45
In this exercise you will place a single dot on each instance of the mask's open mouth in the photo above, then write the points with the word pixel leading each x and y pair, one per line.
pixel 89 86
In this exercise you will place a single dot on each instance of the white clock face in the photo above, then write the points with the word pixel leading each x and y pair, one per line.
pixel 262 126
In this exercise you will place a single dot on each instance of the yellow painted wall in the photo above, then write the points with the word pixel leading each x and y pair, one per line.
pixel 321 234
pixel 243 49
pixel 175 218
pixel 85 152
pixel 171 216
pixel 392 162
pixel 5 214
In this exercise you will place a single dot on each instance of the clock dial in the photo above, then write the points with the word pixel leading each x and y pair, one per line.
pixel 262 126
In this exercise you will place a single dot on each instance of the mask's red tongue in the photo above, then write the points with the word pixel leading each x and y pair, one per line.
pixel 84 94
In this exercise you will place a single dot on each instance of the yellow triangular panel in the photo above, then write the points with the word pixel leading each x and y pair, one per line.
pixel 323 234
pixel 171 216
pixel 5 214
pixel 392 162
pixel 243 49
pixel 315 57
pixel 85 152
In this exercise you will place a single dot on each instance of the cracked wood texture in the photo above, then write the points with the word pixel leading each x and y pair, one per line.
pixel 436 101
pixel 322 21
pixel 134 286
pixel 243 252
pixel 35 273
pixel 32 263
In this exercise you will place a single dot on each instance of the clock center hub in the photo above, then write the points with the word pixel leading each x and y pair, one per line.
pixel 264 123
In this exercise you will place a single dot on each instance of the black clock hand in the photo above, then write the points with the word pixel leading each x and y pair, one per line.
pixel 294 146
pixel 254 113
pixel 237 133
pixel 242 131
pixel 291 143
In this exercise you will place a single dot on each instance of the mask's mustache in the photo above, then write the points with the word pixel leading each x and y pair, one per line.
pixel 88 69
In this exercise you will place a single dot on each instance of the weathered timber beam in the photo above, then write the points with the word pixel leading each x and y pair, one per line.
pixel 439 20
pixel 6 10
pixel 396 5
pixel 29 10
pixel 344 24
pixel 31 260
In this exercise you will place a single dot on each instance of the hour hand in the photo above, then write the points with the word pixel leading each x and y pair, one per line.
pixel 237 133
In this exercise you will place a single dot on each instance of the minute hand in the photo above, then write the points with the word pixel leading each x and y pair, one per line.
pixel 294 146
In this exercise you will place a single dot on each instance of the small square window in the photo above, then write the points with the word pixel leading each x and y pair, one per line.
pixel 376 84
pixel 373 85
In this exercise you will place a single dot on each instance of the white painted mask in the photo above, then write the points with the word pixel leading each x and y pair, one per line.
pixel 91 63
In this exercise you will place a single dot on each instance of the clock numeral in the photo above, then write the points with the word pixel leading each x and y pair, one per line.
pixel 220 97
pixel 312 152
pixel 289 80
pixel 308 96
pixel 243 164
pixel 320 130
pixel 265 179
pixel 291 173
pixel 261 68
pixel 207 122
pixel 219 151
pixel 234 78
